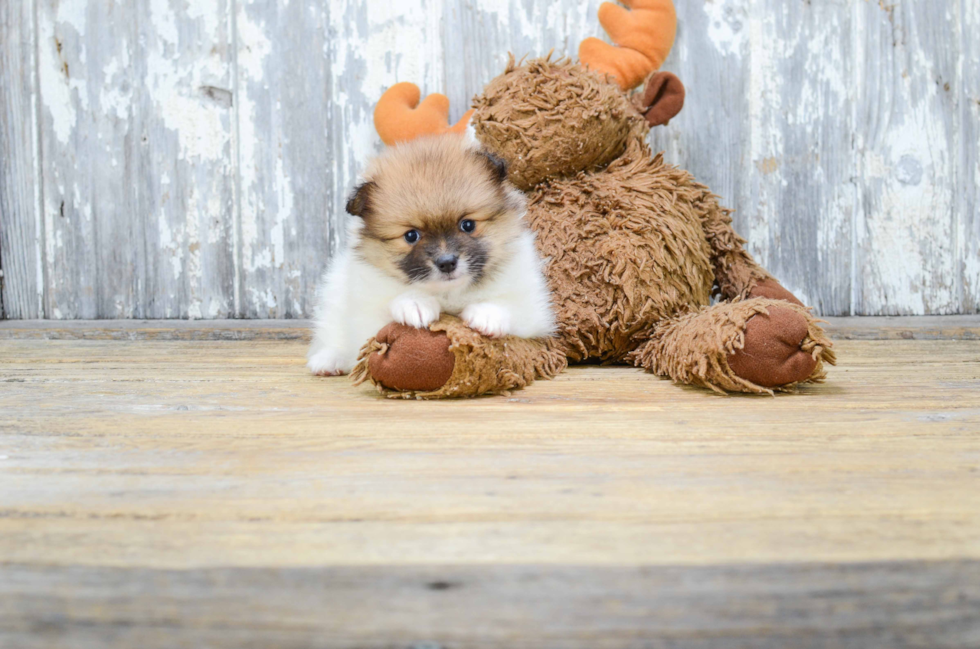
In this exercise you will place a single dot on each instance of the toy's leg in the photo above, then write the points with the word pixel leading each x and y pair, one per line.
pixel 758 345
pixel 451 360
pixel 736 273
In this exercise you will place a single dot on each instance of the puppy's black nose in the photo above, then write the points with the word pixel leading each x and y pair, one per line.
pixel 447 263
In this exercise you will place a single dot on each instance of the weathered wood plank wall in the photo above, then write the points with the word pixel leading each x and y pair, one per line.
pixel 22 283
pixel 166 159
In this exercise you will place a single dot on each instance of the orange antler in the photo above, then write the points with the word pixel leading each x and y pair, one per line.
pixel 644 35
pixel 399 117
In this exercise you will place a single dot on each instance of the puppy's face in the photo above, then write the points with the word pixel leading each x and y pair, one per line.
pixel 437 213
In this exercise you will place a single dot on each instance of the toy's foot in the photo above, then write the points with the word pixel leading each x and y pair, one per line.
pixel 773 290
pixel 450 360
pixel 411 359
pixel 772 354
pixel 757 345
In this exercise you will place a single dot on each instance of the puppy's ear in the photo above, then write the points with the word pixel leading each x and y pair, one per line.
pixel 496 166
pixel 359 203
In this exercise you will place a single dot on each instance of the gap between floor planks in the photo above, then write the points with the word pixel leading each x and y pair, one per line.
pixel 966 327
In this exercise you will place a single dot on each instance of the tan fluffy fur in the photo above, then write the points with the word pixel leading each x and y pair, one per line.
pixel 626 250
pixel 429 185
pixel 550 119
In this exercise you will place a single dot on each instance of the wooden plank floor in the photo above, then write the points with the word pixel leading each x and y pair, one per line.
pixel 212 494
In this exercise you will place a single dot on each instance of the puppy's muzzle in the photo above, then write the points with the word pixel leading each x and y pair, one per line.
pixel 447 263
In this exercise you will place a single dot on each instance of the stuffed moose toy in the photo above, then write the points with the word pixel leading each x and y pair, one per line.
pixel 634 248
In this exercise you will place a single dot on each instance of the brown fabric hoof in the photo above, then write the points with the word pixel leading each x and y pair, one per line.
pixel 772 356
pixel 773 290
pixel 411 359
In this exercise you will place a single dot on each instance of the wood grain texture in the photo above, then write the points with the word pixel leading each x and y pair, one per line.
pixel 284 156
pixel 839 328
pixel 799 197
pixel 215 493
pixel 21 231
pixel 479 36
pixel 196 157
pixel 968 208
pixel 927 605
pixel 189 454
pixel 907 144
pixel 136 135
pixel 186 170
pixel 198 330
pixel 963 327
pixel 767 126
pixel 89 147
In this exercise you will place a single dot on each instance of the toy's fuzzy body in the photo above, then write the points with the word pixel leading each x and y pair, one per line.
pixel 625 250
pixel 634 250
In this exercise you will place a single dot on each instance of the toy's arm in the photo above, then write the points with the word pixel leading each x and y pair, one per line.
pixel 400 117
pixel 737 274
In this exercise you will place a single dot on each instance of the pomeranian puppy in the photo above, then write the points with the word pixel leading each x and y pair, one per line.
pixel 438 230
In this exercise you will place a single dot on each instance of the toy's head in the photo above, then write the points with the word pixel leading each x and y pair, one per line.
pixel 555 118
pixel 551 119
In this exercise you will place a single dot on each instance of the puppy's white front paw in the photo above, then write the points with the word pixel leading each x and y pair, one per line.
pixel 417 311
pixel 489 319
pixel 328 363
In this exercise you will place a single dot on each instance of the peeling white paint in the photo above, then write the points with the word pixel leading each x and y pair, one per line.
pixel 164 23
pixel 264 300
pixel 39 207
pixel 215 309
pixel 205 13
pixel 169 239
pixel 254 48
pixel 726 25
pixel 56 92
pixel 113 100
pixel 908 241
pixel 284 212
pixel 174 86
pixel 765 137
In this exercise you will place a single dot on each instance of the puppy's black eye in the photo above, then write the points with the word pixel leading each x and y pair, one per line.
pixel 412 236
pixel 467 225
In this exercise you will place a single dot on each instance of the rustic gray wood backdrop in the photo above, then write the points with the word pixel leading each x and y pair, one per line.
pixel 190 158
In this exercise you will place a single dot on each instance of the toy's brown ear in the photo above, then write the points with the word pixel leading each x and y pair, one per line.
pixel 662 98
